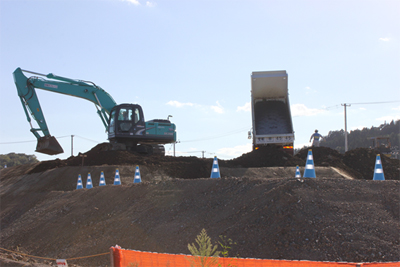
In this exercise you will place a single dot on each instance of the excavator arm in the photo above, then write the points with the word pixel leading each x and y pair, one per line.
pixel 26 87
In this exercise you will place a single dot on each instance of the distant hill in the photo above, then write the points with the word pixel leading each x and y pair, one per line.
pixel 359 138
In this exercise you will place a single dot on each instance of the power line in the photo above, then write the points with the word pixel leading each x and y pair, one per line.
pixel 218 136
pixel 368 103
pixel 364 103
pixel 19 142
pixel 331 107
pixel 58 137
pixel 88 139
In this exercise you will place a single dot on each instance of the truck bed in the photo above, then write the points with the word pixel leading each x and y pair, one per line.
pixel 272 117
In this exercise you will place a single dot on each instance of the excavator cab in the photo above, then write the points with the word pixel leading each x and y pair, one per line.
pixel 128 130
pixel 126 126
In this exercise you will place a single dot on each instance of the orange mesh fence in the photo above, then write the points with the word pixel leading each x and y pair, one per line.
pixel 381 264
pixel 131 258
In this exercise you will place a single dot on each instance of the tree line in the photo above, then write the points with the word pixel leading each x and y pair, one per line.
pixel 360 138
pixel 14 159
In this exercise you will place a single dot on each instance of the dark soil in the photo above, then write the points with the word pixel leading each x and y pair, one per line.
pixel 363 160
pixel 359 163
pixel 267 157
pixel 321 219
pixel 193 167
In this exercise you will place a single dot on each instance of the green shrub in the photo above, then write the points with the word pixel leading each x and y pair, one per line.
pixel 205 255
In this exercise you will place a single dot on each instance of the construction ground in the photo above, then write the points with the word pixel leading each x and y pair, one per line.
pixel 342 215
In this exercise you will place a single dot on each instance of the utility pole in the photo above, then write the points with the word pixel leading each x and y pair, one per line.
pixel 345 126
pixel 72 145
pixel 174 145
pixel 83 156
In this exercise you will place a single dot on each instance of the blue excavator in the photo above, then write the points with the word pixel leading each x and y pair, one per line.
pixel 125 124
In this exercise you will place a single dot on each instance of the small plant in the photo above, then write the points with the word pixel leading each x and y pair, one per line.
pixel 133 264
pixel 225 244
pixel 205 255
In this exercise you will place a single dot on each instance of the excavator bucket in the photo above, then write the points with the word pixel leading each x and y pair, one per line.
pixel 48 145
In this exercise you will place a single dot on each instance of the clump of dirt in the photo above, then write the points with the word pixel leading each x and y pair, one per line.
pixel 363 160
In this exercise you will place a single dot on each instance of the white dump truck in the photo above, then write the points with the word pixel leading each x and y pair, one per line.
pixel 271 116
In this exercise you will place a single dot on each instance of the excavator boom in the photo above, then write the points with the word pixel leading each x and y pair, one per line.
pixel 125 124
pixel 26 87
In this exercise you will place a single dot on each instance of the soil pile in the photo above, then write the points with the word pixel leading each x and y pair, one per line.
pixel 359 163
pixel 177 167
pixel 323 219
pixel 363 160
pixel 287 218
pixel 327 157
pixel 267 157
pixel 323 156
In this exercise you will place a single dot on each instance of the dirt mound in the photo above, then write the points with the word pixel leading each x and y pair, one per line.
pixel 358 163
pixel 323 156
pixel 267 157
pixel 363 160
pixel 324 219
pixel 327 157
pixel 179 167
pixel 310 219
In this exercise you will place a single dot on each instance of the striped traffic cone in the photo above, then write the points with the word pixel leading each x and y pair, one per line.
pixel 102 179
pixel 137 178
pixel 298 174
pixel 79 185
pixel 117 179
pixel 309 171
pixel 215 169
pixel 89 181
pixel 378 171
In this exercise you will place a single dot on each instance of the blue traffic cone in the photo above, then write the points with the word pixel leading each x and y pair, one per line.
pixel 378 171
pixel 215 169
pixel 79 185
pixel 117 179
pixel 309 171
pixel 102 179
pixel 137 178
pixel 89 181
pixel 298 174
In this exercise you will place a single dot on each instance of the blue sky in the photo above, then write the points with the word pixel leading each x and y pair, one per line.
pixel 193 60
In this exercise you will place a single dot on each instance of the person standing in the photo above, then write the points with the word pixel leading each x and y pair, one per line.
pixel 316 137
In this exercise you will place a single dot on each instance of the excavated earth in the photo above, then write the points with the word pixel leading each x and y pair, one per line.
pixel 342 215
